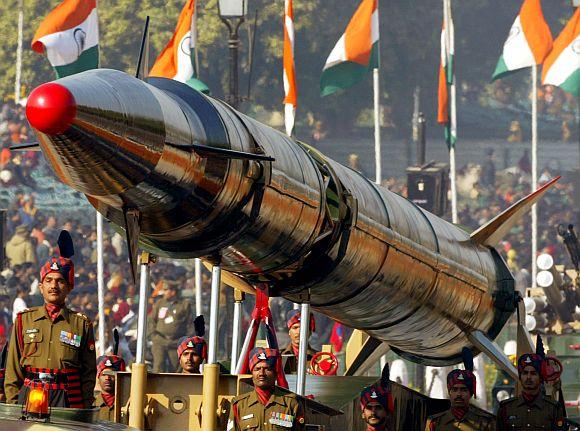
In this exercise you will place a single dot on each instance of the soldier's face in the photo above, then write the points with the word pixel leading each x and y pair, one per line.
pixel 530 379
pixel 54 288
pixel 374 414
pixel 263 376
pixel 107 383
pixel 294 333
pixel 190 361
pixel 459 396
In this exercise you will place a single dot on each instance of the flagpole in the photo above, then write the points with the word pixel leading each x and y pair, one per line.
pixel 378 173
pixel 18 74
pixel 453 108
pixel 534 170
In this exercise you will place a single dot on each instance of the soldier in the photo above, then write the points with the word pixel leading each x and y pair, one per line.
pixel 171 318
pixel 266 408
pixel 376 403
pixel 531 410
pixel 461 386
pixel 290 353
pixel 106 369
pixel 192 352
pixel 52 346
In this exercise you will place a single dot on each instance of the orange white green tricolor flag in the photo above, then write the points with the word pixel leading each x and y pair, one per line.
pixel 355 53
pixel 562 66
pixel 289 70
pixel 176 61
pixel 446 79
pixel 70 36
pixel 528 43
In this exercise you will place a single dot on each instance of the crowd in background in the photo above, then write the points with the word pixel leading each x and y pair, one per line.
pixel 31 237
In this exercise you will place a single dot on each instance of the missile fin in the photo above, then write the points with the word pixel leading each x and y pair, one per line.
pixel 494 230
pixel 205 151
pixel 493 351
pixel 132 231
pixel 28 146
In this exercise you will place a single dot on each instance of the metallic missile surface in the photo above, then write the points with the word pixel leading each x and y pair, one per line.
pixel 302 223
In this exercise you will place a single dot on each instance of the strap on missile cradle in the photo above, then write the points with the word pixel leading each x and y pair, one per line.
pixel 341 209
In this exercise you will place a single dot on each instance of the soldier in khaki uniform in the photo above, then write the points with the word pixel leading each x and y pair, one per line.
pixel 106 369
pixel 171 318
pixel 376 403
pixel 461 385
pixel 290 353
pixel 52 346
pixel 192 352
pixel 531 410
pixel 266 408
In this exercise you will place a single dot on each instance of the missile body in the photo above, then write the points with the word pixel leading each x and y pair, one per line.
pixel 302 223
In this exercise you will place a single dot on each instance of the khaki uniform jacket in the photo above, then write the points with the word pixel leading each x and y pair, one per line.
pixel 283 412
pixel 43 348
pixel 171 319
pixel 543 414
pixel 472 421
pixel 106 413
pixel 291 364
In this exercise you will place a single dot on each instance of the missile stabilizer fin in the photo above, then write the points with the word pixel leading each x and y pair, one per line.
pixel 132 231
pixel 493 231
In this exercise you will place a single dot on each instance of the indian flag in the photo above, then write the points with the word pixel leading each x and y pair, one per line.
pixel 176 60
pixel 70 35
pixel 355 53
pixel 528 43
pixel 446 80
pixel 562 67
pixel 289 73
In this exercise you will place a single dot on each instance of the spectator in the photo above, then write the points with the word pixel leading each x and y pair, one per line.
pixel 19 303
pixel 19 249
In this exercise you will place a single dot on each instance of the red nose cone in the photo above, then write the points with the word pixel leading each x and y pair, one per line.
pixel 51 108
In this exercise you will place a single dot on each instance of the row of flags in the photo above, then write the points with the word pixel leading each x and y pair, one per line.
pixel 530 43
pixel 69 34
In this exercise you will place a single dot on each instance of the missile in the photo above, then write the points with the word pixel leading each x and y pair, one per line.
pixel 185 175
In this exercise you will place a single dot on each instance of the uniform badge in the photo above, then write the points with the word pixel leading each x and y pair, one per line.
pixel 528 360
pixel 250 416
pixel 282 419
pixel 108 363
pixel 32 331
pixel 190 344
pixel 92 345
pixel 54 266
pixel 461 377
pixel 70 338
pixel 374 395
pixel 262 356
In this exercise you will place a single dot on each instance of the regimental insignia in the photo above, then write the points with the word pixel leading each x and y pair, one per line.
pixel 528 360
pixel 190 344
pixel 54 266
pixel 108 363
pixel 374 395
pixel 461 377
pixel 262 356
